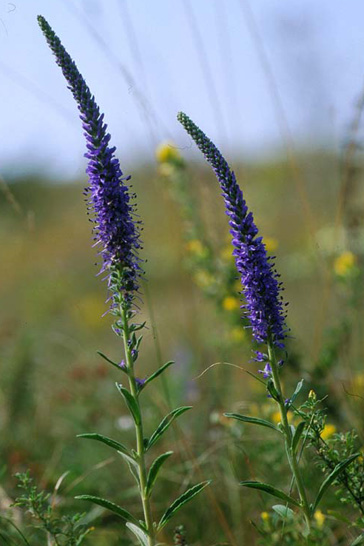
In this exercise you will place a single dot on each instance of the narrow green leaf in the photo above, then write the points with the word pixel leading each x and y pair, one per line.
pixel 105 440
pixel 271 490
pixel 130 402
pixel 115 364
pixel 124 514
pixel 165 423
pixel 154 469
pixel 297 435
pixel 296 393
pixel 178 503
pixel 359 540
pixel 132 464
pixel 283 511
pixel 253 420
pixel 331 478
pixel 139 533
pixel 158 372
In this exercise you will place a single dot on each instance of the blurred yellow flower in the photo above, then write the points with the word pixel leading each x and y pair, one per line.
pixel 358 382
pixel 328 431
pixel 89 312
pixel 196 247
pixel 345 264
pixel 230 303
pixel 166 152
pixel 203 278
pixel 237 334
pixel 238 286
pixel 166 169
pixel 276 417
pixel 312 395
pixel 264 516
pixel 227 254
pixel 320 518
pixel 271 244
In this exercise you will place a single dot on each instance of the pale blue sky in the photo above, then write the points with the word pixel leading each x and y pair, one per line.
pixel 149 66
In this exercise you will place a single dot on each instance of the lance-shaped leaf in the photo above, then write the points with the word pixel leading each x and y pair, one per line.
pixel 297 435
pixel 131 403
pixel 358 540
pixel 165 423
pixel 331 478
pixel 271 490
pixel 295 394
pixel 115 364
pixel 121 512
pixel 154 469
pixel 283 511
pixel 139 533
pixel 178 503
pixel 108 441
pixel 158 372
pixel 132 464
pixel 252 420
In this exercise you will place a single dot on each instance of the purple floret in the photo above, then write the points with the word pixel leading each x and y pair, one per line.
pixel 115 230
pixel 264 306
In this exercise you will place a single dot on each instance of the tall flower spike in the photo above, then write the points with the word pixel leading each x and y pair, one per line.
pixel 264 306
pixel 115 229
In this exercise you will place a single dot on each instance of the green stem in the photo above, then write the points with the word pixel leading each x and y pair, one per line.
pixel 292 459
pixel 148 518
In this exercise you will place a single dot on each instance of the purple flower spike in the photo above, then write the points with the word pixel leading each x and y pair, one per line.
pixel 115 229
pixel 264 306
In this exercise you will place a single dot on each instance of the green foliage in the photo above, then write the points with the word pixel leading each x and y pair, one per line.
pixel 61 530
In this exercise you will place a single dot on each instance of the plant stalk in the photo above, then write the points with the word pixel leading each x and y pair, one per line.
pixel 288 434
pixel 148 518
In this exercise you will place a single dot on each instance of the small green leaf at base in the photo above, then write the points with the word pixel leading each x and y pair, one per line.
pixel 252 420
pixel 178 503
pixel 139 533
pixel 331 478
pixel 124 514
pixel 271 491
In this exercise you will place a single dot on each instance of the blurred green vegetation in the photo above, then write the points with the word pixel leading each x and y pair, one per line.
pixel 55 386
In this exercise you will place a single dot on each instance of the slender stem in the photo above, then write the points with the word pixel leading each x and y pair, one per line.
pixel 288 434
pixel 139 433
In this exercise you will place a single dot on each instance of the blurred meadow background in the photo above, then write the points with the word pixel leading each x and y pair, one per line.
pixel 279 87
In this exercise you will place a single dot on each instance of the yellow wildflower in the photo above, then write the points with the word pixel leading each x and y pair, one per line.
pixel 345 264
pixel 312 395
pixel 358 382
pixel 167 152
pixel 237 334
pixel 264 516
pixel 89 311
pixel 166 169
pixel 276 417
pixel 271 244
pixel 196 247
pixel 320 518
pixel 328 431
pixel 227 253
pixel 203 279
pixel 238 286
pixel 230 303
